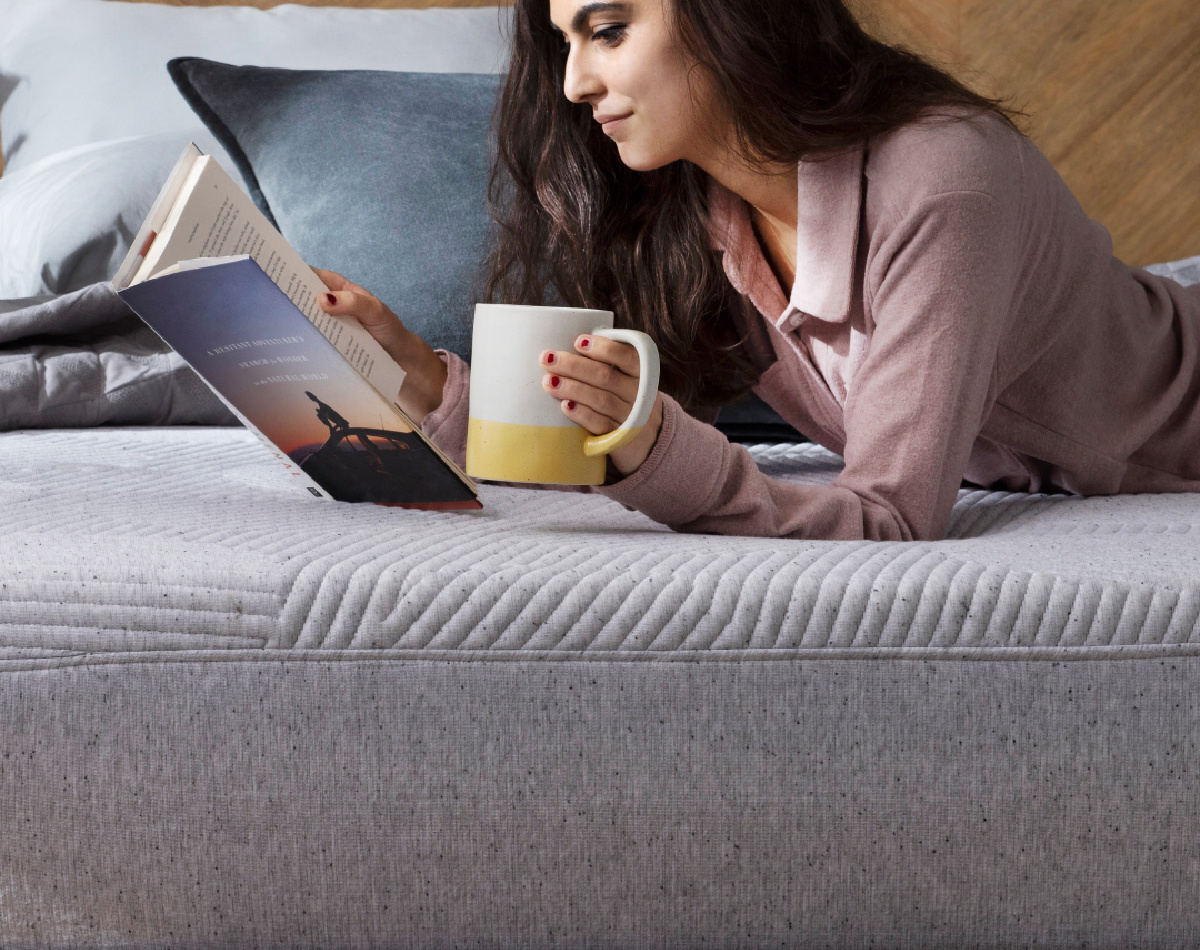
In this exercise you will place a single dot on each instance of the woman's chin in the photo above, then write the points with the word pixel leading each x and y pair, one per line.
pixel 639 160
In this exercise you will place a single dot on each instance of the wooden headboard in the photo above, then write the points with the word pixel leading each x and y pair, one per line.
pixel 1112 88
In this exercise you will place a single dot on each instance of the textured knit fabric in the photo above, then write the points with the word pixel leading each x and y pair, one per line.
pixel 973 323
pixel 233 716
pixel 135 540
pixel 266 799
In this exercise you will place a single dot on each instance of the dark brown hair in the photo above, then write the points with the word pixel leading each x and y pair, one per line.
pixel 578 227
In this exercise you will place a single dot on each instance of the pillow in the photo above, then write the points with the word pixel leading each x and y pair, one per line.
pixel 91 72
pixel 752 421
pixel 380 176
pixel 1185 272
pixel 80 71
pixel 66 221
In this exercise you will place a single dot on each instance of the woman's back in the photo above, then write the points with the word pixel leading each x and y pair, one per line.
pixel 1096 376
pixel 968 221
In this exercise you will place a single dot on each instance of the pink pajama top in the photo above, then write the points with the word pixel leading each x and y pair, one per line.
pixel 955 315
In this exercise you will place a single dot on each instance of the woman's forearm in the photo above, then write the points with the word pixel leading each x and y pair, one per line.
pixel 424 372
pixel 425 375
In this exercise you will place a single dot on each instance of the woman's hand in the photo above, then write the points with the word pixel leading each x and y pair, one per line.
pixel 597 386
pixel 425 373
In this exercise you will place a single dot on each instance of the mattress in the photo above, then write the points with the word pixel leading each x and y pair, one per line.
pixel 131 540
pixel 236 717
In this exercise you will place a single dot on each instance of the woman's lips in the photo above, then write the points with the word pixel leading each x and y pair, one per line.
pixel 609 123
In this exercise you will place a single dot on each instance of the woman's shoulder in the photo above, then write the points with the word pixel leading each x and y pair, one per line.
pixel 947 151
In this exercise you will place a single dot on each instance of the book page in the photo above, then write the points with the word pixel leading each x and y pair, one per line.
pixel 214 217
pixel 198 263
pixel 159 212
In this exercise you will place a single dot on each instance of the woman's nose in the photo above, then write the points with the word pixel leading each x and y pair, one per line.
pixel 580 80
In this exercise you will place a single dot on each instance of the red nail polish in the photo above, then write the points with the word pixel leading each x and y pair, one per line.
pixel 332 300
pixel 585 343
pixel 554 381
pixel 551 358
pixel 570 405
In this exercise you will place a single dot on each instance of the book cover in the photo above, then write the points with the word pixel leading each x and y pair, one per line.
pixel 255 349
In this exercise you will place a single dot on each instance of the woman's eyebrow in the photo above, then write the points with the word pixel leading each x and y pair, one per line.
pixel 579 21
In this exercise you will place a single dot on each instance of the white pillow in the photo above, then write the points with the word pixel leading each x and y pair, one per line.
pixel 67 221
pixel 92 123
pixel 1186 271
pixel 80 71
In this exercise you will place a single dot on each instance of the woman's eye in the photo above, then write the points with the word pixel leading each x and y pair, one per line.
pixel 610 35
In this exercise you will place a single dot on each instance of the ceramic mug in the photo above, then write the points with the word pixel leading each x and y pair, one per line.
pixel 516 431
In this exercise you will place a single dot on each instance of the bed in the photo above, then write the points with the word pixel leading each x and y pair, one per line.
pixel 236 716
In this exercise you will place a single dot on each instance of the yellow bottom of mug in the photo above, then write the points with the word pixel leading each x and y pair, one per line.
pixel 552 455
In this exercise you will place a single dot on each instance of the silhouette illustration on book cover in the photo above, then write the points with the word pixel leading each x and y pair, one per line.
pixel 372 464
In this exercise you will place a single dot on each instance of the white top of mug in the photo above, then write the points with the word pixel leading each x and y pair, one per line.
pixel 510 307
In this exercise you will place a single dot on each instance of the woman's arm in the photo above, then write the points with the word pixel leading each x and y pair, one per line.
pixel 939 294
pixel 425 374
pixel 436 389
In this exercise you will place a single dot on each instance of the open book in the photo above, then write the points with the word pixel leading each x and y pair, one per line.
pixel 212 277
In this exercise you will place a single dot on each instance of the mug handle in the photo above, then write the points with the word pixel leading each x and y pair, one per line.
pixel 643 405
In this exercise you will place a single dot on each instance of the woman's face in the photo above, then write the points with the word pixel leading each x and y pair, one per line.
pixel 624 62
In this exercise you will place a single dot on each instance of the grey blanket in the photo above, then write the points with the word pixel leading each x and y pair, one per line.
pixel 86 359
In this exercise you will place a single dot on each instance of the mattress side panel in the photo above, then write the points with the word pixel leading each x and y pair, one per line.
pixel 414 803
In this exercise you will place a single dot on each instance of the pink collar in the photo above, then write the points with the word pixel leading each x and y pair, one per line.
pixel 830 202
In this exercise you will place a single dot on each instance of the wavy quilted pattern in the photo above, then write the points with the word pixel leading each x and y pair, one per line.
pixel 129 540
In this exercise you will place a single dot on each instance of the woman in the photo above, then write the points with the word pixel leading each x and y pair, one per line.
pixel 785 204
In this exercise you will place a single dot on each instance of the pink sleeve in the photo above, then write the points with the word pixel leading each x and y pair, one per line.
pixel 446 426
pixel 944 281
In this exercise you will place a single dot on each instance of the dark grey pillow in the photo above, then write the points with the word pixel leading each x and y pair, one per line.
pixel 380 176
pixel 752 420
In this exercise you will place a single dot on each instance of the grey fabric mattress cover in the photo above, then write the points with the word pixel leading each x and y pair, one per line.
pixel 234 716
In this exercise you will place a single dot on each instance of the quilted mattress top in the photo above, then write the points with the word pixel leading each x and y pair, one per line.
pixel 157 541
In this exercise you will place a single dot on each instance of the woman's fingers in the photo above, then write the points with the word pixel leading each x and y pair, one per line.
pixel 595 422
pixel 336 282
pixel 603 407
pixel 610 369
pixel 598 388
pixel 347 299
pixel 620 356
